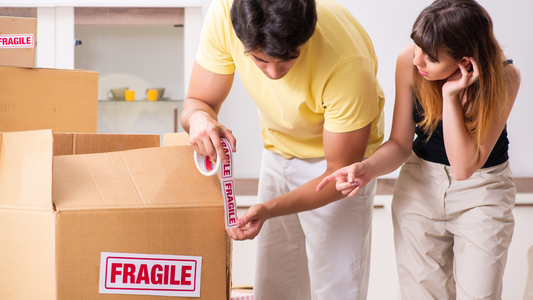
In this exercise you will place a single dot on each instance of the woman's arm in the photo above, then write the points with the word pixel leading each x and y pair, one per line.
pixel 461 149
pixel 393 153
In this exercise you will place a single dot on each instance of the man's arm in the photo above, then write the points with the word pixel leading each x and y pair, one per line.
pixel 207 91
pixel 340 149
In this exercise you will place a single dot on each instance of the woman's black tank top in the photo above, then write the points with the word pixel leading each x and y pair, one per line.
pixel 434 149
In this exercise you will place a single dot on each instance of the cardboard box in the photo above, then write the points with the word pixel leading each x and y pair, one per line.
pixel 68 204
pixel 61 100
pixel 17 41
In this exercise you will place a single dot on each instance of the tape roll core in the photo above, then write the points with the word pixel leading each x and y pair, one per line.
pixel 205 165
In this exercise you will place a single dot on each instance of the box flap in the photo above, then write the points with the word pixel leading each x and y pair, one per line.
pixel 35 99
pixel 86 143
pixel 27 255
pixel 176 139
pixel 26 169
pixel 151 177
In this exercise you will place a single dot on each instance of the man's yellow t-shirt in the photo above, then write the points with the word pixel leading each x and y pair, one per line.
pixel 332 85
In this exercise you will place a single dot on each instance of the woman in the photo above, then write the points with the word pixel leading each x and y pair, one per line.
pixel 453 200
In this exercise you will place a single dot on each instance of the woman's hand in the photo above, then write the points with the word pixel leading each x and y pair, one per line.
pixel 460 80
pixel 349 180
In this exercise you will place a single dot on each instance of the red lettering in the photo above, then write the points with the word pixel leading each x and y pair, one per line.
pixel 157 278
pixel 143 275
pixel 4 41
pixel 115 271
pixel 226 170
pixel 185 275
pixel 231 215
pixel 129 271
pixel 10 41
pixel 173 276
pixel 166 274
pixel 229 189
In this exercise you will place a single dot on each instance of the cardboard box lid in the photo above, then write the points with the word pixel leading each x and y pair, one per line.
pixel 176 139
pixel 26 161
pixel 144 178
pixel 15 55
pixel 35 99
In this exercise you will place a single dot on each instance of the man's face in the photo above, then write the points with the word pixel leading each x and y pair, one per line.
pixel 273 68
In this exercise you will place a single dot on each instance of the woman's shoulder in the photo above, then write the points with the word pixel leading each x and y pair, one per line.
pixel 511 70
pixel 407 53
pixel 404 62
pixel 405 57
pixel 514 77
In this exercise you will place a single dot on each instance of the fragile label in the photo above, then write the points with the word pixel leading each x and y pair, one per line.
pixel 17 41
pixel 229 202
pixel 149 274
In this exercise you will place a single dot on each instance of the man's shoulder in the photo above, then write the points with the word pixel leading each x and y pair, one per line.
pixel 341 31
pixel 221 7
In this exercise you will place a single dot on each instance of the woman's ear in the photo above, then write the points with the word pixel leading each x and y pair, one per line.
pixel 465 61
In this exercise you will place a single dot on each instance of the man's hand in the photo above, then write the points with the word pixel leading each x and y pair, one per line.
pixel 205 134
pixel 249 224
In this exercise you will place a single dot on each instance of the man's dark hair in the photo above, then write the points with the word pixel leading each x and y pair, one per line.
pixel 274 27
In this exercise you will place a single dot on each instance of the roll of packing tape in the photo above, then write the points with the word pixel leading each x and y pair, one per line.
pixel 208 168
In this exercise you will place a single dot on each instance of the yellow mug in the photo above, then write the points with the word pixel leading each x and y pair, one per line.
pixel 130 95
pixel 151 94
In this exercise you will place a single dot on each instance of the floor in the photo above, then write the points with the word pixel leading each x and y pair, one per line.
pixel 383 278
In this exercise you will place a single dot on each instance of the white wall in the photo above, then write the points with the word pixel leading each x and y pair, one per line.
pixel 389 25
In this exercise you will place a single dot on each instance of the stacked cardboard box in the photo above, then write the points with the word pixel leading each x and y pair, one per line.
pixel 30 99
pixel 96 216
pixel 17 41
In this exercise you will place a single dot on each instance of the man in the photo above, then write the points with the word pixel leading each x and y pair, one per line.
pixel 311 70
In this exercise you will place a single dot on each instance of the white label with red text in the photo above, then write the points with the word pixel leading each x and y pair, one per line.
pixel 16 41
pixel 208 168
pixel 149 274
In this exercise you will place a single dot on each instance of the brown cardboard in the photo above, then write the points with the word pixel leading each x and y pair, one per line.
pixel 58 213
pixel 61 100
pixel 16 52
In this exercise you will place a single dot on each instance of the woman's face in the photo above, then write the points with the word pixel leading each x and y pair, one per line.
pixel 433 70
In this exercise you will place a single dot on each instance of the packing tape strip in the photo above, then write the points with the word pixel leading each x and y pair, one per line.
pixel 207 168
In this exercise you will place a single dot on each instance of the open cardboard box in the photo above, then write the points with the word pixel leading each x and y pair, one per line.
pixel 17 41
pixel 68 198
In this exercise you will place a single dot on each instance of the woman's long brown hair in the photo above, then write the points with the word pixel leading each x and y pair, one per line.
pixel 462 28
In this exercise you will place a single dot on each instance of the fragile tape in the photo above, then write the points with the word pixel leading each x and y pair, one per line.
pixel 208 168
